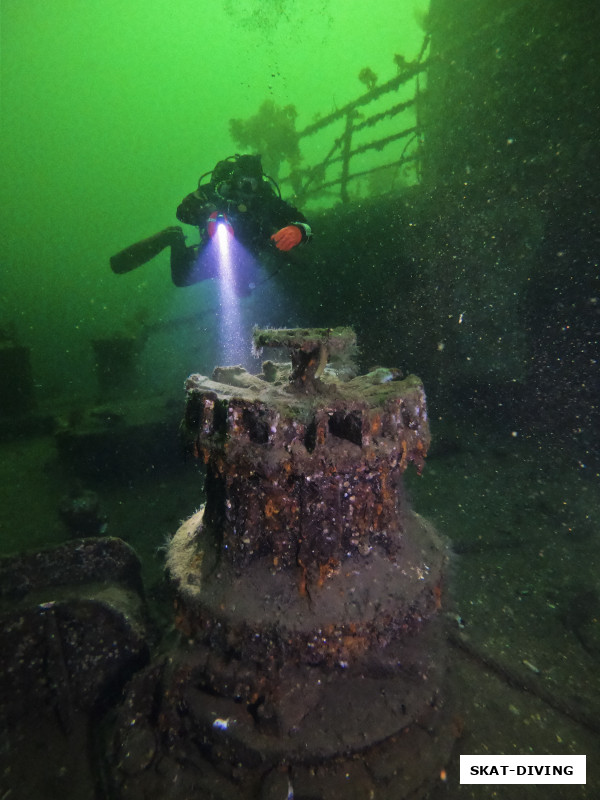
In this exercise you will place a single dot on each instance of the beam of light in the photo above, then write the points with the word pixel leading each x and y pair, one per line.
pixel 234 341
pixel 236 273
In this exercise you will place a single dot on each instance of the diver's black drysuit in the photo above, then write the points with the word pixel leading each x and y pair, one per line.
pixel 255 215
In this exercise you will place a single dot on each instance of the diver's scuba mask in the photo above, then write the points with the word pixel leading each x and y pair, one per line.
pixel 247 176
pixel 242 187
pixel 238 177
pixel 246 185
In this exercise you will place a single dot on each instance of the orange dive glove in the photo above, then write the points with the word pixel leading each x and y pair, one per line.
pixel 287 237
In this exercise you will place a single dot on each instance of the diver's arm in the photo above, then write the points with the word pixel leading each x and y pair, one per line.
pixel 293 227
pixel 305 229
pixel 195 208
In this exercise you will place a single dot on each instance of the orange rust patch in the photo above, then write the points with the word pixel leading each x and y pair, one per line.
pixel 404 458
pixel 354 645
pixel 270 508
pixel 327 570
pixel 303 578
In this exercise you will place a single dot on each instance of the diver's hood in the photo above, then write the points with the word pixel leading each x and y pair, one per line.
pixel 244 180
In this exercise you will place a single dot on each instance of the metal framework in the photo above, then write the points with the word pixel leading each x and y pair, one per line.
pixel 309 182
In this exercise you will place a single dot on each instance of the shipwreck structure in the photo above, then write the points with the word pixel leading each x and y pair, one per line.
pixel 307 592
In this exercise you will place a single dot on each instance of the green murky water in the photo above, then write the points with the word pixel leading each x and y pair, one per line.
pixel 111 113
pixel 474 266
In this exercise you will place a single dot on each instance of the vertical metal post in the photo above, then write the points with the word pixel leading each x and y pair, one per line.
pixel 346 156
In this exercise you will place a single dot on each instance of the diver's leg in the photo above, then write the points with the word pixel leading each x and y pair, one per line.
pixel 139 253
pixel 183 261
pixel 190 265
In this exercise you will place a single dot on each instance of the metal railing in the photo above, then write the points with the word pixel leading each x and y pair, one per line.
pixel 334 170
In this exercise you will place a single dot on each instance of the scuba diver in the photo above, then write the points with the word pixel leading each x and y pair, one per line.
pixel 248 202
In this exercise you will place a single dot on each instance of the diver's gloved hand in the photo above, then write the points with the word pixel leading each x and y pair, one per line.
pixel 287 237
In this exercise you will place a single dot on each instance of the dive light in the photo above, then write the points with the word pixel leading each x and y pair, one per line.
pixel 216 219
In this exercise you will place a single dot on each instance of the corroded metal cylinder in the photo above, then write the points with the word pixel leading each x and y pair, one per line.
pixel 306 483
pixel 308 592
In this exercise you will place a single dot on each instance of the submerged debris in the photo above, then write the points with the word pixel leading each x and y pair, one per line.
pixel 308 594
pixel 80 512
